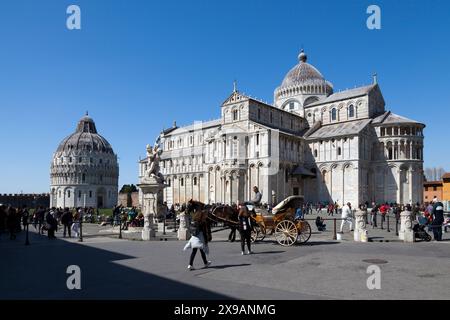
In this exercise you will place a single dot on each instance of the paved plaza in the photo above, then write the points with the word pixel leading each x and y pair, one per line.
pixel 123 269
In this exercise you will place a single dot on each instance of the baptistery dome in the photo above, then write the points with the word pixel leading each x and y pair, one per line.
pixel 84 170
pixel 85 138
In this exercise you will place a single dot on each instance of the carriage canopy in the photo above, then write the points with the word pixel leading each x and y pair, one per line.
pixel 289 202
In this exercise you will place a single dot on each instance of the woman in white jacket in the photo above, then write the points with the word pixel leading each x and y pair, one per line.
pixel 347 216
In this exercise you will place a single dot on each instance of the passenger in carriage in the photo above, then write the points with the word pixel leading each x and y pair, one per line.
pixel 299 215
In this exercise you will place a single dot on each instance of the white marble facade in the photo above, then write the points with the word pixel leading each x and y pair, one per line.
pixel 84 170
pixel 343 147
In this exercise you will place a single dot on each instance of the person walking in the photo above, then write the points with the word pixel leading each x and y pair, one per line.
pixel 245 229
pixel 11 223
pixel 373 213
pixel 25 216
pixel 200 237
pixel 67 220
pixel 438 219
pixel 347 216
pixel 76 223
pixel 383 211
pixel 52 224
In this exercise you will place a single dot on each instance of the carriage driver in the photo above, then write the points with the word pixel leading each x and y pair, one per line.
pixel 256 201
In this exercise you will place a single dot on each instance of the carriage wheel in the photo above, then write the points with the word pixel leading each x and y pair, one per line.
pixel 286 233
pixel 255 234
pixel 304 233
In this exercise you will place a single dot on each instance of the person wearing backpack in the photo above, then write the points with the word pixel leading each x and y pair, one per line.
pixel 438 219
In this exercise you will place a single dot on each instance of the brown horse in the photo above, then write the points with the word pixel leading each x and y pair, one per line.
pixel 218 213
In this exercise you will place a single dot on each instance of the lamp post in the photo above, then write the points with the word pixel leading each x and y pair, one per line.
pixel 81 226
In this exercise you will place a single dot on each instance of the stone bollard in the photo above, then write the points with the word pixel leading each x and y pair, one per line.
pixel 360 233
pixel 406 233
pixel 183 230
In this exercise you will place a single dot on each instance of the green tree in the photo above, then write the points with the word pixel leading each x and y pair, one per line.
pixel 128 188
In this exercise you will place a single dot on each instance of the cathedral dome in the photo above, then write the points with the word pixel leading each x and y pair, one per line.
pixel 85 138
pixel 302 73
pixel 302 85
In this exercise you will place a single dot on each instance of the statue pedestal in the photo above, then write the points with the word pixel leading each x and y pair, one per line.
pixel 153 200
pixel 406 233
pixel 183 231
pixel 360 234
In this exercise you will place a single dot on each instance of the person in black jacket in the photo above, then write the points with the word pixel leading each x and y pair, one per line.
pixel 67 220
pixel 245 229
pixel 438 219
pixel 202 231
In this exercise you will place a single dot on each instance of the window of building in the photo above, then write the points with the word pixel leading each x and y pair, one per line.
pixel 191 140
pixel 83 178
pixel 271 117
pixel 434 188
pixel 426 188
pixel 286 175
pixel 259 114
pixel 79 194
pixel 333 114
pixel 101 178
pixel 351 111
pixel 59 193
pixel 68 194
pixel 70 159
pixel 291 106
pixel 339 151
pixel 80 159
pixel 257 139
pixel 90 194
pixel 315 152
pixel 281 120
pixel 296 191
pixel 292 124
pixel 382 132
pixel 235 115
pixel 195 181
pixel 100 161
pixel 182 182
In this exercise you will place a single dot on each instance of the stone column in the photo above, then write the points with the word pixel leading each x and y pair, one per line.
pixel 153 199
pixel 360 233
pixel 184 232
pixel 406 233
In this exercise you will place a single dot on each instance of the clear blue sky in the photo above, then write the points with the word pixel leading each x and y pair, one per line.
pixel 139 65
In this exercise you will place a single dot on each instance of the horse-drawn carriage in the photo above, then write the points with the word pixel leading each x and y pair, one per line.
pixel 281 223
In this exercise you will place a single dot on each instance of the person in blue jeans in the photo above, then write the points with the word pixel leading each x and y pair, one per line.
pixel 299 215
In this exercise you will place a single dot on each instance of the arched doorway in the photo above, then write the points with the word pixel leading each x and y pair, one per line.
pixel 101 197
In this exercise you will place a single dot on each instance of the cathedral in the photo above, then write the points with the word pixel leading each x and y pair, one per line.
pixel 323 145
pixel 84 171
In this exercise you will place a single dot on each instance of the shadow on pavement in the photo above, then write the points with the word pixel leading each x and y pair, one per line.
pixel 318 243
pixel 267 252
pixel 38 271
pixel 225 266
